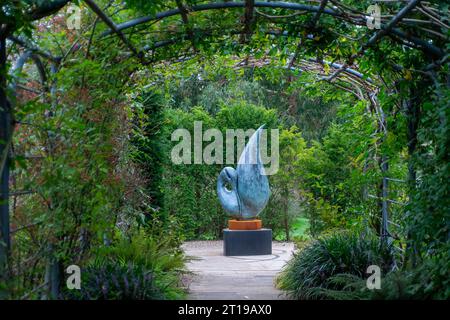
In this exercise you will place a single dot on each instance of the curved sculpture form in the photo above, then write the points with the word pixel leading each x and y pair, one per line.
pixel 244 192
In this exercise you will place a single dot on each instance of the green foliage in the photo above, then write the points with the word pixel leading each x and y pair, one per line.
pixel 109 281
pixel 242 115
pixel 283 208
pixel 147 7
pixel 189 190
pixel 149 149
pixel 300 227
pixel 428 280
pixel 429 212
pixel 322 215
pixel 144 265
pixel 307 274
pixel 232 104
pixel 311 112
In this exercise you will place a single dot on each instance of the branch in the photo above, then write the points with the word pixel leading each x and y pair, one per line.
pixel 377 36
pixel 20 193
pixel 399 16
pixel 184 17
pixel 268 16
pixel 316 17
pixel 422 44
pixel 46 8
pixel 358 18
pixel 248 21
pixel 115 29
pixel 221 5
pixel 33 49
pixel 432 17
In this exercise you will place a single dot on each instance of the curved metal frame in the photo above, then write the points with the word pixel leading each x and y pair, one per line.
pixel 45 8
pixel 386 29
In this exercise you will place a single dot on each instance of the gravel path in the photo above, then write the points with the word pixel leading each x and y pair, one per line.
pixel 217 277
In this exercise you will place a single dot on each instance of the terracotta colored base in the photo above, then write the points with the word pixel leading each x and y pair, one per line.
pixel 244 224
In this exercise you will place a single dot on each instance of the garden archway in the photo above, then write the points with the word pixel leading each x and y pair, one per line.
pixel 302 31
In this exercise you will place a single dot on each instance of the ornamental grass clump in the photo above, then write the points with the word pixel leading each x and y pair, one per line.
pixel 307 274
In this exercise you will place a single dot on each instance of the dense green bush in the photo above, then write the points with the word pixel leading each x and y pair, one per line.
pixel 148 147
pixel 111 281
pixel 307 273
pixel 429 280
pixel 149 266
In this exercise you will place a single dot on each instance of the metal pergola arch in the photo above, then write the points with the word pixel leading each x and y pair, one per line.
pixel 360 20
pixel 333 8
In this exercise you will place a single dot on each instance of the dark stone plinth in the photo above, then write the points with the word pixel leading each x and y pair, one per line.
pixel 247 242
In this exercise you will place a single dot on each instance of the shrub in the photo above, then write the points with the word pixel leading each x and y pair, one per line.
pixel 147 141
pixel 111 281
pixel 307 273
pixel 429 280
pixel 149 266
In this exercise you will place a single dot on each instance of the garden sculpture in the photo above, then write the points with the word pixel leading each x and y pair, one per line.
pixel 244 192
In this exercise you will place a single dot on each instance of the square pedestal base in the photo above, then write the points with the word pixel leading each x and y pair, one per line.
pixel 247 242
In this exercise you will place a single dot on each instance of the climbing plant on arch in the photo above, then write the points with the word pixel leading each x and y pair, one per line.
pixel 401 67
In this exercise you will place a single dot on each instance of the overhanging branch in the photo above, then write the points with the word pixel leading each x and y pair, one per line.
pixel 222 5
pixel 33 49
pixel 46 8
pixel 316 17
pixel 355 18
pixel 397 18
pixel 377 36
pixel 114 29
pixel 184 17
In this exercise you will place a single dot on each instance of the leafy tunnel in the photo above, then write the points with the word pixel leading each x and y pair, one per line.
pixel 390 60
